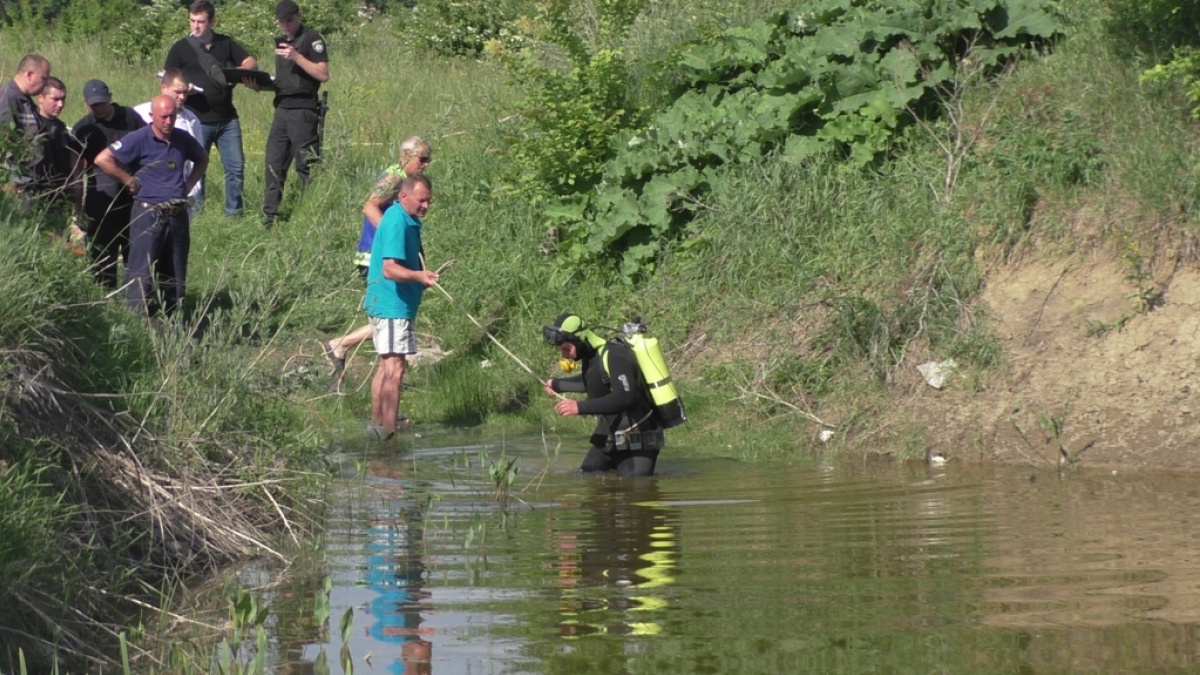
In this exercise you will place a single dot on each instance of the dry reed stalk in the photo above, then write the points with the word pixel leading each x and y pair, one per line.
pixel 136 507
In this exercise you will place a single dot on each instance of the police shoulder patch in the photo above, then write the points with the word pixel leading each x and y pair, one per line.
pixel 319 46
pixel 116 145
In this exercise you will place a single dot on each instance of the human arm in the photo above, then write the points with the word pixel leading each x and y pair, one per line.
pixel 623 382
pixel 385 191
pixel 316 69
pixel 107 162
pixel 197 174
pixel 394 271
pixel 567 407
pixel 565 385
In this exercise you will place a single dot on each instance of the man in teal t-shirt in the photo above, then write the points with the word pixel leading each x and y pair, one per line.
pixel 396 279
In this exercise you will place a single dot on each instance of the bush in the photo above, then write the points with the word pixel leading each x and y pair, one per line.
pixel 460 27
pixel 576 78
pixel 1153 28
pixel 86 19
pixel 30 15
pixel 148 32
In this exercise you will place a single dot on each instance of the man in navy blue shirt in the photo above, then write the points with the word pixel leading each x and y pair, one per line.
pixel 152 164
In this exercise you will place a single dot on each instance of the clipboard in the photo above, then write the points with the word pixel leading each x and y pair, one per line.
pixel 261 77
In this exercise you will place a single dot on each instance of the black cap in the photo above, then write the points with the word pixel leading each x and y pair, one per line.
pixel 286 9
pixel 95 91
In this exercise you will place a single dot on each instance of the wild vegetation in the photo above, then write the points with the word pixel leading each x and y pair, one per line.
pixel 796 240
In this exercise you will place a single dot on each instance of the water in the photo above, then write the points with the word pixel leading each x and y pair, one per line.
pixel 721 566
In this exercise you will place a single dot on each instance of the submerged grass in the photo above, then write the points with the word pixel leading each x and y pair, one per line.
pixel 791 307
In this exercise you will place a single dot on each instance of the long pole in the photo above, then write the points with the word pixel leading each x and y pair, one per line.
pixel 486 332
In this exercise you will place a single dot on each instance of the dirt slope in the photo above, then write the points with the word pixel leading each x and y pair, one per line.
pixel 1128 396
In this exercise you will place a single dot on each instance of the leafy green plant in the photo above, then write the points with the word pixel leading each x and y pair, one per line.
pixel 576 77
pixel 834 76
pixel 460 27
pixel 1182 69
pixel 149 31
pixel 1153 27
pixel 1146 295
pixel 85 19
pixel 502 472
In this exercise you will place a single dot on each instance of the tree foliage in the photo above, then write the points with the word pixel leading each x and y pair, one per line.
pixel 832 76
pixel 1153 27
pixel 575 76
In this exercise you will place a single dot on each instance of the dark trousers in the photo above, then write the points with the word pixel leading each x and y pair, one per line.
pixel 624 462
pixel 108 235
pixel 293 138
pixel 158 252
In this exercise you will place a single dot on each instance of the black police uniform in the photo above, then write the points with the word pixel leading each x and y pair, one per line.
pixel 106 202
pixel 293 134
pixel 629 433
pixel 62 154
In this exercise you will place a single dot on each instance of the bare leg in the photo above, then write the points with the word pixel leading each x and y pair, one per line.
pixel 385 391
pixel 342 346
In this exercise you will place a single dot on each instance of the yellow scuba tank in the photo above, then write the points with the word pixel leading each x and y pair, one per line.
pixel 658 380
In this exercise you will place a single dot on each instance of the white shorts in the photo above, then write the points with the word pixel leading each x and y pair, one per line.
pixel 393 336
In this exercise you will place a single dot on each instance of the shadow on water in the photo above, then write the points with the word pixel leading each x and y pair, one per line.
pixel 718 566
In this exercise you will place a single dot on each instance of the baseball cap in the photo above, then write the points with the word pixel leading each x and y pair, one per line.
pixel 95 91
pixel 286 9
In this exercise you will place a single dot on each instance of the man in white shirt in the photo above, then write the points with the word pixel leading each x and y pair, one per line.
pixel 175 84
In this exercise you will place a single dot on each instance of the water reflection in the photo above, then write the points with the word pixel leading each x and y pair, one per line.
pixel 611 569
pixel 719 566
pixel 395 571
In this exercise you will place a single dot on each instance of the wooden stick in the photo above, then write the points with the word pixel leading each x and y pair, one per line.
pixel 491 337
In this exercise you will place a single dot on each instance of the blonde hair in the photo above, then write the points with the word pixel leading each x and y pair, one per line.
pixel 411 147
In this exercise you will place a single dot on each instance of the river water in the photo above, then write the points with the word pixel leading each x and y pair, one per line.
pixel 722 566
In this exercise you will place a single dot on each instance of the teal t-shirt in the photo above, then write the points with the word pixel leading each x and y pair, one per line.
pixel 399 238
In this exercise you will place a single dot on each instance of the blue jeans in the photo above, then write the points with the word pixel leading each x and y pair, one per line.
pixel 227 136
pixel 158 256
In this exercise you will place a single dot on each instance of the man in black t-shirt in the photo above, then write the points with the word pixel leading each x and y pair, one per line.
pixel 106 203
pixel 301 65
pixel 200 56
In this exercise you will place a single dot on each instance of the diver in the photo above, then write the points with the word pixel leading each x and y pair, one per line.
pixel 629 433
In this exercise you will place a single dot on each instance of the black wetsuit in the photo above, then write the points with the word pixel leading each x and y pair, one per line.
pixel 629 434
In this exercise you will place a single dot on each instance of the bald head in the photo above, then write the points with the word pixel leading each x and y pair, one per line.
pixel 162 116
pixel 32 71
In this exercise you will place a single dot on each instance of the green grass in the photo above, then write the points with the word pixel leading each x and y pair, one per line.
pixel 794 297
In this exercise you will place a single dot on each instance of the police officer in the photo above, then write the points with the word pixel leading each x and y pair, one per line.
pixel 629 433
pixel 107 204
pixel 301 65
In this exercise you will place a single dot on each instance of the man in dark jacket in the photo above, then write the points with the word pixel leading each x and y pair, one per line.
pixel 629 433
pixel 58 177
pixel 22 125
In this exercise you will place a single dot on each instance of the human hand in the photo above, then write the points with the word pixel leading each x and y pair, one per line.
pixel 427 277
pixel 287 51
pixel 549 387
pixel 567 407
pixel 249 83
